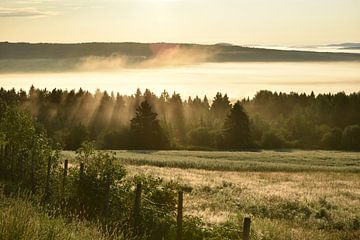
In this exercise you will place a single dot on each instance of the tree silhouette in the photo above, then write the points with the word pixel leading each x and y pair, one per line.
pixel 220 107
pixel 77 135
pixel 236 130
pixel 145 129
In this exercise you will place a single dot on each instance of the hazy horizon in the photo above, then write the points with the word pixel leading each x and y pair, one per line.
pixel 238 80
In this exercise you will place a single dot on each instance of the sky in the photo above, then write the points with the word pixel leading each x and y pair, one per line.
pixel 244 22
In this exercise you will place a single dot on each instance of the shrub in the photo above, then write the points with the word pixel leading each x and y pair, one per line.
pixel 200 137
pixel 272 140
pixel 332 139
pixel 351 137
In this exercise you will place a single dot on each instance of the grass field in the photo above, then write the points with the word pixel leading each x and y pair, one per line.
pixel 289 194
pixel 20 218
pixel 257 161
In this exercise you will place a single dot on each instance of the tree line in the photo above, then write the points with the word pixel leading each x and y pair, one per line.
pixel 146 121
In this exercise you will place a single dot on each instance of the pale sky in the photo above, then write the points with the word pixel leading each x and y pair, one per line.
pixel 247 22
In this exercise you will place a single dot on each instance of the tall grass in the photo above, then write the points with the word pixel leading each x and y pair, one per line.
pixel 282 205
pixel 20 219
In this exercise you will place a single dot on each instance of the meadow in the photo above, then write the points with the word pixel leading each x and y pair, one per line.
pixel 254 161
pixel 20 218
pixel 288 194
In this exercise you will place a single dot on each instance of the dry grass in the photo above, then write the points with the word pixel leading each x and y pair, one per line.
pixel 21 219
pixel 290 194
pixel 318 205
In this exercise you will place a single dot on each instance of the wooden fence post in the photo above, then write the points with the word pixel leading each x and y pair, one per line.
pixel 246 228
pixel 64 179
pixel 7 161
pixel 21 167
pixel 48 176
pixel 81 173
pixel 81 184
pixel 1 158
pixel 107 194
pixel 137 206
pixel 179 216
pixel 32 174
pixel 12 177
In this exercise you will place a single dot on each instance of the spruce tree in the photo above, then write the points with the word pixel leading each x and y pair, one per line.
pixel 236 130
pixel 146 132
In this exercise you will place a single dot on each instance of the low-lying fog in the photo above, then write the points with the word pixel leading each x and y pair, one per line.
pixel 236 79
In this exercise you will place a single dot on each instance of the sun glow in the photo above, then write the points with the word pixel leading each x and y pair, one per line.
pixel 279 22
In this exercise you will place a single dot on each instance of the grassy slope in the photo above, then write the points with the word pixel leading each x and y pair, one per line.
pixel 21 220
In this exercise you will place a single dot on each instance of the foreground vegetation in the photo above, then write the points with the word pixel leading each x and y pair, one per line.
pixel 289 194
pixel 283 205
pixel 20 218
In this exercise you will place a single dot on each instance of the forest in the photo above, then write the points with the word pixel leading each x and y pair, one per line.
pixel 269 120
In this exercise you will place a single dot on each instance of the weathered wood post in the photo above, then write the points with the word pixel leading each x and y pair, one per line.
pixel 81 184
pixel 179 216
pixel 32 173
pixel 246 228
pixel 1 158
pixel 6 161
pixel 21 162
pixel 12 163
pixel 137 206
pixel 48 177
pixel 64 179
pixel 81 173
pixel 107 194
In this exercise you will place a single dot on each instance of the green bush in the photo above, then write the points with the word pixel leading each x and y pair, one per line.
pixel 351 137
pixel 332 139
pixel 271 140
pixel 200 137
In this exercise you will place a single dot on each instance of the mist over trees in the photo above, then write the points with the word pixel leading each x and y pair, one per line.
pixel 147 121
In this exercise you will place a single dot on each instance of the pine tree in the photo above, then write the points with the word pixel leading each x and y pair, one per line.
pixel 236 130
pixel 145 129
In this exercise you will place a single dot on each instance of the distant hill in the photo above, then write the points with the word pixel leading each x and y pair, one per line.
pixel 62 57
pixel 346 45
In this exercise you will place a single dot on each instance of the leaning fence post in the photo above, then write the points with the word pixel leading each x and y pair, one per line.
pixel 137 205
pixel 246 228
pixel 64 178
pixel 179 216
